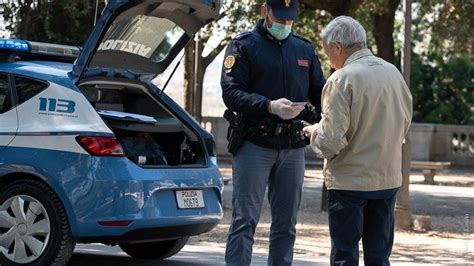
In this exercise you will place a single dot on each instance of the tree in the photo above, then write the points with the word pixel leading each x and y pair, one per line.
pixel 335 7
pixel 58 21
pixel 442 89
pixel 382 13
pixel 445 25
pixel 443 63
pixel 238 16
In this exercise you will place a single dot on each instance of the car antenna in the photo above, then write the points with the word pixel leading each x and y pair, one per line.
pixel 172 74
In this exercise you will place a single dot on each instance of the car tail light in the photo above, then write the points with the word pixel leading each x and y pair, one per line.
pixel 101 146
pixel 115 223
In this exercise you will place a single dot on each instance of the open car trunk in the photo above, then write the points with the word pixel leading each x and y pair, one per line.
pixel 133 43
pixel 149 133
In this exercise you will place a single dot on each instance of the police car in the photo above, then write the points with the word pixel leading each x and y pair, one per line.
pixel 91 148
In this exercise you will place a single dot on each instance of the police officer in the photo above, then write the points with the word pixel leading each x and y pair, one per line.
pixel 268 76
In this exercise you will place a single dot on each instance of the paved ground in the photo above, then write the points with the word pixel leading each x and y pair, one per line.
pixel 198 255
pixel 450 205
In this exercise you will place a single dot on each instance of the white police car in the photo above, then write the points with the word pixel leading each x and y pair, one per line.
pixel 91 150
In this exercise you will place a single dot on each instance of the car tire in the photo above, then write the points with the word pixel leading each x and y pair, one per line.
pixel 32 213
pixel 155 250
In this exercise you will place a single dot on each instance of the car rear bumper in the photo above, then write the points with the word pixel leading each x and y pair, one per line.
pixel 146 199
pixel 158 215
pixel 153 234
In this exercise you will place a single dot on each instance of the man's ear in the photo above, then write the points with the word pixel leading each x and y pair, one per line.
pixel 337 47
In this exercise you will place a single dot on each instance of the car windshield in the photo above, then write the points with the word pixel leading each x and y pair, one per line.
pixel 146 36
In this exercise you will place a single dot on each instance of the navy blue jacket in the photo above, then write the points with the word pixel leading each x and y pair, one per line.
pixel 258 68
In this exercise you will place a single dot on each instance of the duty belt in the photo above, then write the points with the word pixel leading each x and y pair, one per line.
pixel 293 129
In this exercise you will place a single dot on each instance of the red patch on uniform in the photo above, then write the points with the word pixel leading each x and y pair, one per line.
pixel 303 62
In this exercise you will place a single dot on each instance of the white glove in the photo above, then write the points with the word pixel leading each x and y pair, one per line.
pixel 283 108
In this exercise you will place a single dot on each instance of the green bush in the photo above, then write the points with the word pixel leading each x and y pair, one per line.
pixel 442 88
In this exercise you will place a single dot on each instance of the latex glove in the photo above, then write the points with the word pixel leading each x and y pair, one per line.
pixel 284 109
pixel 309 130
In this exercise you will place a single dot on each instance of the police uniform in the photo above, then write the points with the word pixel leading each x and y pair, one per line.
pixel 257 69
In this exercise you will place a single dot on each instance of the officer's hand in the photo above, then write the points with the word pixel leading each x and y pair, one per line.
pixel 283 108
pixel 309 130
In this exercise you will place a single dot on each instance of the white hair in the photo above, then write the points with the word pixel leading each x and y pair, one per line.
pixel 346 31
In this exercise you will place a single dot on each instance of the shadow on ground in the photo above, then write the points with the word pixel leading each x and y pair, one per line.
pixel 93 255
pixel 407 253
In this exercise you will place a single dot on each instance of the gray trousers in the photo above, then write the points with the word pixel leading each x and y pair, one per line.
pixel 254 168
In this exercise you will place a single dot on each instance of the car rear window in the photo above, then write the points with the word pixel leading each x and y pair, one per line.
pixel 27 88
pixel 146 36
pixel 5 100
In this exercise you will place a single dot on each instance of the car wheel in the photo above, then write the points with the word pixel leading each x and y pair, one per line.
pixel 154 250
pixel 34 229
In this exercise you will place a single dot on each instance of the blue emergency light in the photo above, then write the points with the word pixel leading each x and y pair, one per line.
pixel 11 49
pixel 14 45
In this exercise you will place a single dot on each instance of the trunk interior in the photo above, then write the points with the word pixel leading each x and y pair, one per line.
pixel 150 135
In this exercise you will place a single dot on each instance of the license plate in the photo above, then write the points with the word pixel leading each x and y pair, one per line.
pixel 190 199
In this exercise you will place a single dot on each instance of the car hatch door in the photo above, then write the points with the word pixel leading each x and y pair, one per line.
pixel 139 39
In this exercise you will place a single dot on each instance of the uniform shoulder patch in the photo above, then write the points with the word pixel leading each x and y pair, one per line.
pixel 229 61
pixel 302 38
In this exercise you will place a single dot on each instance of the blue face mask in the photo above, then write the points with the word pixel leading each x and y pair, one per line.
pixel 278 30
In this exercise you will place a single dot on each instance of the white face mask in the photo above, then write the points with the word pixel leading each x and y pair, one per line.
pixel 278 30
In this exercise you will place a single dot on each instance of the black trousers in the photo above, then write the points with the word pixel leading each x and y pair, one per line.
pixel 352 218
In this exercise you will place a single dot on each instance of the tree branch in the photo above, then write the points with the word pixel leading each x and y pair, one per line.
pixel 206 61
pixel 335 7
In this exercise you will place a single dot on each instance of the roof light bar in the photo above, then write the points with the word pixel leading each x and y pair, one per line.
pixel 54 49
pixel 12 49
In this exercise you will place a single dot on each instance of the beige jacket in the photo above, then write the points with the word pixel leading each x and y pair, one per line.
pixel 367 110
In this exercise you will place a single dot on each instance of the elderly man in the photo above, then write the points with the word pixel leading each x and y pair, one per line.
pixel 367 110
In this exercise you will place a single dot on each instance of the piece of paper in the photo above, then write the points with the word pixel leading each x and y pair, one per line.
pixel 298 104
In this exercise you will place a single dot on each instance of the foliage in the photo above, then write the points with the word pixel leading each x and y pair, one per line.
pixel 443 89
pixel 310 25
pixel 442 62
pixel 56 21
pixel 447 26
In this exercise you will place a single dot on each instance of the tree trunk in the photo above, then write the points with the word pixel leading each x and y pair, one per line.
pixel 199 91
pixel 199 70
pixel 193 91
pixel 383 22
pixel 26 20
pixel 189 78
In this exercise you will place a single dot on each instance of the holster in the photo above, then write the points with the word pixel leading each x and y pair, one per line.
pixel 296 132
pixel 235 132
